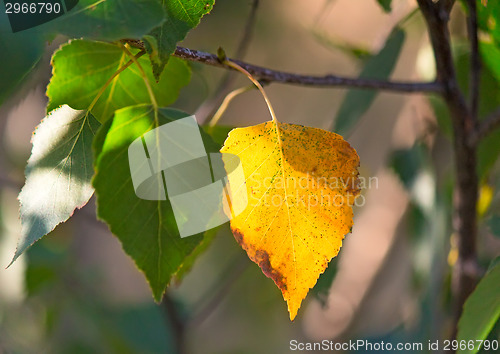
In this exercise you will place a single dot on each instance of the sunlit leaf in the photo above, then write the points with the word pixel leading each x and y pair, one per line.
pixel 58 174
pixel 301 185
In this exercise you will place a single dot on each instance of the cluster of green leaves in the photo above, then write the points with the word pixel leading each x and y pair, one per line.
pixel 102 96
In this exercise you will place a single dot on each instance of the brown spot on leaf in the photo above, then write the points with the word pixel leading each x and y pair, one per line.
pixel 262 259
pixel 239 238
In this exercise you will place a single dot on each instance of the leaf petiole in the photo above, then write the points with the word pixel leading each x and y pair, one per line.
pixel 144 77
pixel 256 82
pixel 225 103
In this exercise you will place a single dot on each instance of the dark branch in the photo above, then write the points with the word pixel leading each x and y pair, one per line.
pixel 488 125
pixel 475 62
pixel 447 5
pixel 269 75
pixel 466 186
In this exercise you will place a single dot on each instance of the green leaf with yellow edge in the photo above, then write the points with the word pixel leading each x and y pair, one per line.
pixel 481 310
pixel 301 185
pixel 81 68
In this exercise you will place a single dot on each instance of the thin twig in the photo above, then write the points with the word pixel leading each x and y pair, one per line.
pixel 488 125
pixel 208 107
pixel 269 75
pixel 225 103
pixel 475 60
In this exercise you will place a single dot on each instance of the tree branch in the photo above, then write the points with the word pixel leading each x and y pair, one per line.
pixel 269 75
pixel 475 60
pixel 465 275
pixel 447 5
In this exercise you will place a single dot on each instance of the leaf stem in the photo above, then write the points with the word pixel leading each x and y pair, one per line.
pixel 115 74
pixel 256 82
pixel 144 76
pixel 223 106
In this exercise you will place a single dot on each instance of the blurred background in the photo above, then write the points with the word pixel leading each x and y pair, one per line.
pixel 76 290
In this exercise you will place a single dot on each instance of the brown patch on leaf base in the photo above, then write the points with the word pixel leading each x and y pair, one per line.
pixel 261 257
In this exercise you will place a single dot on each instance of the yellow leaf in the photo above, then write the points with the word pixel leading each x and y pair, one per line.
pixel 301 184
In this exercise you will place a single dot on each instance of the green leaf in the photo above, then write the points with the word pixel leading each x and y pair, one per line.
pixel 481 310
pixel 494 263
pixel 407 164
pixel 490 53
pixel 58 174
pixel 103 20
pixel 379 66
pixel 494 225
pixel 181 17
pixel 81 68
pixel 338 44
pixel 386 5
pixel 20 53
pixel 108 20
pixel 218 133
pixel 488 16
pixel 189 261
pixel 147 229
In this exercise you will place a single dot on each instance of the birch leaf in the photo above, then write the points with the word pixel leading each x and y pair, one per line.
pixel 58 173
pixel 301 184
